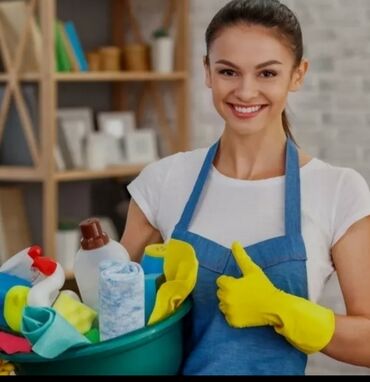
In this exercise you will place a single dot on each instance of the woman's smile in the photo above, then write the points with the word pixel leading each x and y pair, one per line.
pixel 246 111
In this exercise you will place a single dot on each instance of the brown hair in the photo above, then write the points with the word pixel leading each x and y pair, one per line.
pixel 268 13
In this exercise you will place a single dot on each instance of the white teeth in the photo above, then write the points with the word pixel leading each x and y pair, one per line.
pixel 247 110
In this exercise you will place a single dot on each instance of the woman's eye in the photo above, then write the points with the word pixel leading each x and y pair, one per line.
pixel 268 74
pixel 227 72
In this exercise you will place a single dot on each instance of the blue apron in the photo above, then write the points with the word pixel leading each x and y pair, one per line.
pixel 214 348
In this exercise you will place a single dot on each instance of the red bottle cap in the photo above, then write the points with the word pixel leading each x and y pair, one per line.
pixel 45 265
pixel 34 251
pixel 92 234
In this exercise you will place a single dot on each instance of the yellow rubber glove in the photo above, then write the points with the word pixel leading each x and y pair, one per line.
pixel 253 300
pixel 180 270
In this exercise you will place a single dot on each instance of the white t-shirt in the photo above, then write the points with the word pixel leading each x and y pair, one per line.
pixel 250 211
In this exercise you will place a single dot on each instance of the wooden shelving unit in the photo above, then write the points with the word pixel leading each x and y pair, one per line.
pixel 42 149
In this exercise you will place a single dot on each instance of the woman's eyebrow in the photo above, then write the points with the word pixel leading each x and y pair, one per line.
pixel 227 63
pixel 268 63
pixel 259 66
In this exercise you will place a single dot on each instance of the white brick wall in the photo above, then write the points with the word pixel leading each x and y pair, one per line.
pixel 333 105
pixel 331 114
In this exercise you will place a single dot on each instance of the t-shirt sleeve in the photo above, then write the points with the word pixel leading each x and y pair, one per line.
pixel 146 188
pixel 352 203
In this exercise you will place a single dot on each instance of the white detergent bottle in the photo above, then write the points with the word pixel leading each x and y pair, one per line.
pixel 96 246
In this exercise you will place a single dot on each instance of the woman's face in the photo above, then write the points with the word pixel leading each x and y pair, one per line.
pixel 250 73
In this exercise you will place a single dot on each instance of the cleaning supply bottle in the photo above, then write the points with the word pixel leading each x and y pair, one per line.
pixel 22 265
pixel 96 246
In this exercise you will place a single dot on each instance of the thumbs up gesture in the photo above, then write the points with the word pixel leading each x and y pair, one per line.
pixel 253 300
pixel 246 301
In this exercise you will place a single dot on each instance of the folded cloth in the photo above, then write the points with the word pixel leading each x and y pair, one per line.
pixel 79 315
pixel 10 344
pixel 93 335
pixel 121 298
pixel 6 283
pixel 180 271
pixel 49 333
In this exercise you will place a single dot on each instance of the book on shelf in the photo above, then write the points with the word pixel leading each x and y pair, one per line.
pixel 62 61
pixel 67 149
pixel 14 150
pixel 68 47
pixel 14 228
pixel 71 32
pixel 13 18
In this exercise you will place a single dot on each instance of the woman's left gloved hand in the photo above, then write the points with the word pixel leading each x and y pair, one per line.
pixel 253 300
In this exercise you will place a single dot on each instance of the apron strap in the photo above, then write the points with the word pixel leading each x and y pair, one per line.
pixel 292 191
pixel 189 209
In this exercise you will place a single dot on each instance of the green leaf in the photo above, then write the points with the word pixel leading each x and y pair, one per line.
pixel 160 32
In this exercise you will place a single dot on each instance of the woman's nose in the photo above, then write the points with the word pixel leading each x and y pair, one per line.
pixel 247 89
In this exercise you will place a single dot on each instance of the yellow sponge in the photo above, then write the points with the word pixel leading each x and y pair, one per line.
pixel 14 304
pixel 79 315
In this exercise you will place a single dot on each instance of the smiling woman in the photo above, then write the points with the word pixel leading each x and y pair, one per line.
pixel 253 89
pixel 269 224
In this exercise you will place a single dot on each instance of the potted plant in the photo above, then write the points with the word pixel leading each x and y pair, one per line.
pixel 162 51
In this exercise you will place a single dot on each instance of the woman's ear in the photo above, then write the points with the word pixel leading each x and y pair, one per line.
pixel 207 71
pixel 299 75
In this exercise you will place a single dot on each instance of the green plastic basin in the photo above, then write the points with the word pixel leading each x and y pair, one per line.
pixel 153 350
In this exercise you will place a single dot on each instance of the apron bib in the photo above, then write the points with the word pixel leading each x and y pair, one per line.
pixel 212 346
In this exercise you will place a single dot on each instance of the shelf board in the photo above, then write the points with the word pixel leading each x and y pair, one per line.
pixel 30 77
pixel 4 77
pixel 102 76
pixel 109 172
pixel 119 76
pixel 23 174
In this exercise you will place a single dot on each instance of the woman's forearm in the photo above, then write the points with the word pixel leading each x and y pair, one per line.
pixel 351 340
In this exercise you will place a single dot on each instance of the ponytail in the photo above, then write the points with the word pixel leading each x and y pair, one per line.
pixel 286 126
